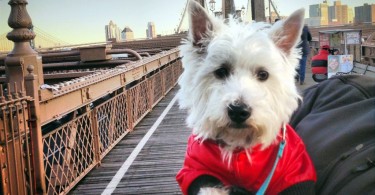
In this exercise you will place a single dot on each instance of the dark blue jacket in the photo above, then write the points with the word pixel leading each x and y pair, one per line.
pixel 305 39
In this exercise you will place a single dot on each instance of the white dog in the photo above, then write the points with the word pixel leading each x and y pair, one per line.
pixel 238 86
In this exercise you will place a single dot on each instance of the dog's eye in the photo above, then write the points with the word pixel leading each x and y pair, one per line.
pixel 262 75
pixel 222 73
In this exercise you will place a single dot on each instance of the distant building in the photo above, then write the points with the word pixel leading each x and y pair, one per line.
pixel 318 14
pixel 151 32
pixel 338 13
pixel 127 34
pixel 314 11
pixel 350 15
pixel 323 14
pixel 365 13
pixel 112 32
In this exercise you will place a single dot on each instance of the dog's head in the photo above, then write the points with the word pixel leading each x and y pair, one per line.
pixel 238 79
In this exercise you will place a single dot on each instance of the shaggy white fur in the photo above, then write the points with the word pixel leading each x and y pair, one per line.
pixel 235 63
pixel 213 191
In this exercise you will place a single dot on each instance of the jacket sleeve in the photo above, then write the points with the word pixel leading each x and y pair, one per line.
pixel 197 163
pixel 309 38
pixel 186 176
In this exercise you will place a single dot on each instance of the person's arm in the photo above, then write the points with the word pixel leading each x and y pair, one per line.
pixel 309 38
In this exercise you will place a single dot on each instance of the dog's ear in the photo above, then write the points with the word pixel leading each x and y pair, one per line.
pixel 200 23
pixel 288 33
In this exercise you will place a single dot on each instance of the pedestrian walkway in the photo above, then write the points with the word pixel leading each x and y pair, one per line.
pixel 153 170
pixel 308 79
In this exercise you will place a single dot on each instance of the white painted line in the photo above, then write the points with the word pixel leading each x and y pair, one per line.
pixel 125 166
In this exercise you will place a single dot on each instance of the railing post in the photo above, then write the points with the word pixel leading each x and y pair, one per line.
pixel 94 123
pixel 151 88
pixel 23 57
pixel 32 90
pixel 129 109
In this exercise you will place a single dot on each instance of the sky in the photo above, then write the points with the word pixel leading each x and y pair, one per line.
pixel 83 21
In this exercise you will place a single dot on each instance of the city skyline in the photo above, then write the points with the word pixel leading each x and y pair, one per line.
pixel 67 20
pixel 324 14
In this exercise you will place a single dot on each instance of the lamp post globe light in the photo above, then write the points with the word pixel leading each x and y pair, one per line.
pixel 212 5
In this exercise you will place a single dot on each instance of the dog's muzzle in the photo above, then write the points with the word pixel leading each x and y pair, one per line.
pixel 238 114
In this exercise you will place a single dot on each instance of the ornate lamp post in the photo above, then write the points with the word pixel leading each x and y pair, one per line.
pixel 23 67
pixel 212 5
pixel 22 54
pixel 20 21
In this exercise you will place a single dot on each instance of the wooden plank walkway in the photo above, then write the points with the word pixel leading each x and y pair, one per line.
pixel 154 169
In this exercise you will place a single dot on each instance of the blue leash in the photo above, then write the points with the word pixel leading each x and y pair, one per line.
pixel 265 184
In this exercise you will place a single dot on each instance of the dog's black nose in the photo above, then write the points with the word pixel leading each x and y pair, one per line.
pixel 239 112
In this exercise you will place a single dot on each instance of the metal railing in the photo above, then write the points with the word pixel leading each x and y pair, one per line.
pixel 75 147
pixel 72 150
pixel 51 136
pixel 15 143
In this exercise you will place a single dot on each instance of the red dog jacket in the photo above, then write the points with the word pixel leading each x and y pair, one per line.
pixel 205 158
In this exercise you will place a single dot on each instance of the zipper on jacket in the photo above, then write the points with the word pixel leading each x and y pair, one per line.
pixel 356 171
pixel 333 165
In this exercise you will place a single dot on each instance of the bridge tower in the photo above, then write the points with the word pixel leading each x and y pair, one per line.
pixel 228 7
pixel 258 10
pixel 255 8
